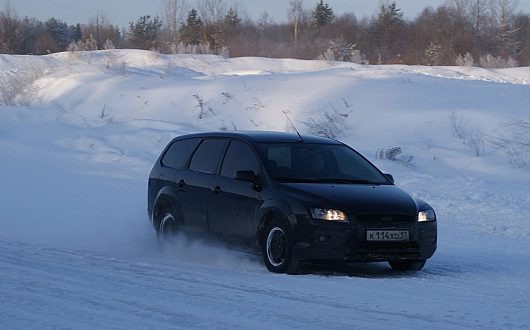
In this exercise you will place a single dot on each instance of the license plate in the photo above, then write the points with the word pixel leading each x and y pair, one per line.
pixel 387 235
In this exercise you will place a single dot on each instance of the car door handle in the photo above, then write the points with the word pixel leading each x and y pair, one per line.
pixel 217 189
pixel 181 183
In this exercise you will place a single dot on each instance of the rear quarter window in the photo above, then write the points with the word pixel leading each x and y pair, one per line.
pixel 179 153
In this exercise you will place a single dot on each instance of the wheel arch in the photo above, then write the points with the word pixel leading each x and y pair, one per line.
pixel 165 200
pixel 268 214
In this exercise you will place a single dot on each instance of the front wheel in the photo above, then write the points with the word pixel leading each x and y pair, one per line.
pixel 277 248
pixel 168 228
pixel 407 265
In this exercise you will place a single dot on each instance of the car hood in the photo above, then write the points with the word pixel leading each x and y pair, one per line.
pixel 353 198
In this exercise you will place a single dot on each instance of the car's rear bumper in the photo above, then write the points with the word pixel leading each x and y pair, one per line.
pixel 351 245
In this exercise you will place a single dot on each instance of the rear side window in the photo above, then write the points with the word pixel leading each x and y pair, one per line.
pixel 179 153
pixel 207 155
pixel 239 157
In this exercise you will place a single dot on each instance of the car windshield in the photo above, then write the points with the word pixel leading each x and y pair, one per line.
pixel 319 163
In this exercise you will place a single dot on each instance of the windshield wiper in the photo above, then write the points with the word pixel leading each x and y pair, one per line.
pixel 324 180
pixel 295 180
pixel 341 180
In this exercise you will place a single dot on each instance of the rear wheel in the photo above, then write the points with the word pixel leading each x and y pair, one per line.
pixel 277 248
pixel 407 265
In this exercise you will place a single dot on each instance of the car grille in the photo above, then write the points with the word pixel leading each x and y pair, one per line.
pixel 385 218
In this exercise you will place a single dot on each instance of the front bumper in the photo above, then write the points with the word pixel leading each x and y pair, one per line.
pixel 323 242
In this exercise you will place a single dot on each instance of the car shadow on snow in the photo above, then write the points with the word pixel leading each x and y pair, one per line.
pixel 442 265
pixel 368 270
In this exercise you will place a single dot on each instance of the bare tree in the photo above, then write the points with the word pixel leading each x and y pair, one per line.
pixel 174 14
pixel 504 13
pixel 212 11
pixel 460 6
pixel 100 29
pixel 478 13
pixel 9 27
pixel 473 11
pixel 295 15
pixel 523 35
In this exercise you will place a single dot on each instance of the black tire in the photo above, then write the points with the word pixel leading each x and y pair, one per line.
pixel 407 265
pixel 168 227
pixel 277 248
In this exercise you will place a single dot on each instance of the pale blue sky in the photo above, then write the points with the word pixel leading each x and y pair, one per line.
pixel 120 12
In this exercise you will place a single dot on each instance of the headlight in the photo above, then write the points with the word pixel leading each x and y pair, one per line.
pixel 426 215
pixel 328 214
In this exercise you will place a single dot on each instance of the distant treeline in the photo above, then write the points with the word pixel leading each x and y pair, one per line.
pixel 489 33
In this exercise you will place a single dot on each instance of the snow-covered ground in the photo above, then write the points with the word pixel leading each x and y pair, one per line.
pixel 80 132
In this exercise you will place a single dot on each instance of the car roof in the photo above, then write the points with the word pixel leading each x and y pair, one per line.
pixel 263 137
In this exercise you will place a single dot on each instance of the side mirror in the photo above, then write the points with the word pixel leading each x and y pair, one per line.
pixel 390 177
pixel 247 176
pixel 251 177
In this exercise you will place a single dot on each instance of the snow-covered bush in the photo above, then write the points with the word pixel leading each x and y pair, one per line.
pixel 76 47
pixel 469 137
pixel 395 154
pixel 490 61
pixel 458 126
pixel 17 87
pixel 114 64
pixel 83 45
pixel 105 114
pixel 204 110
pixel 329 124
pixel 328 55
pixel 108 45
pixel 202 48
pixel 477 143
pixel 433 54
pixel 465 60
pixel 342 50
pixel 514 139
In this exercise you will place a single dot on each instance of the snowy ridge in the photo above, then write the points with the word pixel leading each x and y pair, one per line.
pixel 80 132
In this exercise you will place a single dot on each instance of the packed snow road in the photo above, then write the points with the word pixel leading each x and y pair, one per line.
pixel 94 263
pixel 46 287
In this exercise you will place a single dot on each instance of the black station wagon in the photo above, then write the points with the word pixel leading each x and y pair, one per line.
pixel 291 198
